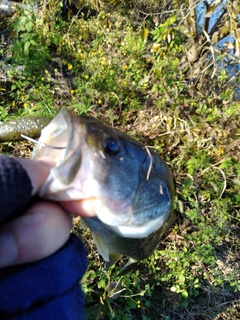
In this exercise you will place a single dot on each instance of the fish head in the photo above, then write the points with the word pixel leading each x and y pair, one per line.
pixel 131 188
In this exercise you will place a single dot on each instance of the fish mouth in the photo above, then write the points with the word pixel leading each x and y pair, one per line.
pixel 142 231
pixel 125 226
pixel 67 137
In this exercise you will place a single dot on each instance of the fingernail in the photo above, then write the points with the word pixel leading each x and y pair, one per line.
pixel 8 249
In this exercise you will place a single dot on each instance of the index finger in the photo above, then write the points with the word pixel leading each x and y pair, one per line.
pixel 83 208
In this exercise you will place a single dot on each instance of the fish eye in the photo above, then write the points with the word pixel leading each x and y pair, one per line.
pixel 111 145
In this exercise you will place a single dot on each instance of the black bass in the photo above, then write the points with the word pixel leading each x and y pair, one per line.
pixel 132 188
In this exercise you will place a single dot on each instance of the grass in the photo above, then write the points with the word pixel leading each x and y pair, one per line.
pixel 100 62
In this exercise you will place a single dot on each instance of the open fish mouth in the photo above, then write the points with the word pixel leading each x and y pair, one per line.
pixel 94 161
pixel 66 134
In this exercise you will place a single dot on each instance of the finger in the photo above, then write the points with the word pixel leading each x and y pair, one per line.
pixel 84 208
pixel 40 232
pixel 38 170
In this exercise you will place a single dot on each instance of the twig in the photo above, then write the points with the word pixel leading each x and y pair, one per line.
pixel 212 51
pixel 150 165
pixel 212 165
pixel 223 174
pixel 224 181
pixel 206 272
pixel 41 143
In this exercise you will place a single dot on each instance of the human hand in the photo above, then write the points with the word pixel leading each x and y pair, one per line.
pixel 44 227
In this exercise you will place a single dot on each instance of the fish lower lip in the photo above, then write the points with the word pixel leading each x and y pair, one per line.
pixel 140 232
pixel 111 218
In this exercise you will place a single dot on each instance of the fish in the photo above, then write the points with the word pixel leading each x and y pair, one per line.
pixel 131 186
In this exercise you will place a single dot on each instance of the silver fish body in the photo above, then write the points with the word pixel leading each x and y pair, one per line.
pixel 131 187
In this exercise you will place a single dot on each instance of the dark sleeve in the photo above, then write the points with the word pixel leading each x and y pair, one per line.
pixel 47 289
pixel 15 187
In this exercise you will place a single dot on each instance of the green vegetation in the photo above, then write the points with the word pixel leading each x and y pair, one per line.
pixel 127 63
